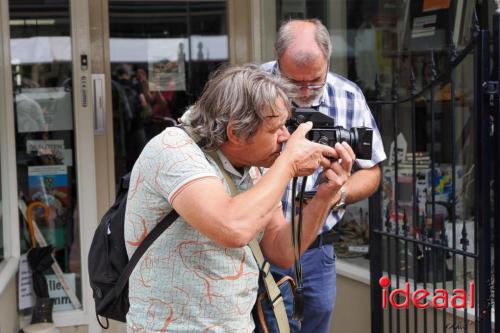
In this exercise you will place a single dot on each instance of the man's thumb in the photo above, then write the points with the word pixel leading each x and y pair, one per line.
pixel 304 128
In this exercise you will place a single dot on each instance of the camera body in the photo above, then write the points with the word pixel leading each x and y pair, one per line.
pixel 325 132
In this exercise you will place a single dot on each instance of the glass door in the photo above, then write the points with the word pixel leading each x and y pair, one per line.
pixel 161 54
pixel 54 151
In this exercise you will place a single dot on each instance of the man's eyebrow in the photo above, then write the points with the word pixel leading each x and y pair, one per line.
pixel 300 81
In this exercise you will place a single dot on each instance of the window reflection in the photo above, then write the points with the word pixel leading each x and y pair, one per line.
pixel 300 9
pixel 161 54
pixel 41 63
pixel 381 56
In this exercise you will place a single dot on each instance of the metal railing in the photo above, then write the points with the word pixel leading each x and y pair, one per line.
pixel 412 244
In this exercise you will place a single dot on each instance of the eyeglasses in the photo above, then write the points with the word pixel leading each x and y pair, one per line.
pixel 306 85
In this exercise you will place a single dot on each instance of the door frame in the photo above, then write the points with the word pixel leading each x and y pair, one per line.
pixel 9 266
pixel 85 156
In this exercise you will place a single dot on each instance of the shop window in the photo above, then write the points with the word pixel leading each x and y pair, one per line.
pixel 372 47
pixel 161 54
pixel 299 9
pixel 41 62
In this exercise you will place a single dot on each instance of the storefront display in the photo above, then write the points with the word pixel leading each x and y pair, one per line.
pixel 45 150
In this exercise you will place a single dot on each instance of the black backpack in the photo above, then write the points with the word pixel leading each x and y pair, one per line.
pixel 109 267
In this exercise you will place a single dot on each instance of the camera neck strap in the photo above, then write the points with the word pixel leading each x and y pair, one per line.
pixel 272 289
pixel 296 231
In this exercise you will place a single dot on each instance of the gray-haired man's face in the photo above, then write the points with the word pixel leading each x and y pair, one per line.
pixel 309 80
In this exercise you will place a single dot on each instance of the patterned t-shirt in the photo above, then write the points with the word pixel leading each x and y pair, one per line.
pixel 185 282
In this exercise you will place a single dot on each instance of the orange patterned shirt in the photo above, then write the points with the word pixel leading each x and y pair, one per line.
pixel 185 282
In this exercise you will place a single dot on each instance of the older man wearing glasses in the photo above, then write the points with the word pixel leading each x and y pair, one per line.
pixel 303 49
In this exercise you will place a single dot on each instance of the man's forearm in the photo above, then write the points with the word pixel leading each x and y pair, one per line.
pixel 362 183
pixel 279 249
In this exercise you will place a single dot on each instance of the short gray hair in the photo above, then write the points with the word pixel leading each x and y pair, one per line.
pixel 286 36
pixel 239 95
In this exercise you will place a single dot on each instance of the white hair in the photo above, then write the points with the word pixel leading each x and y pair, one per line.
pixel 243 95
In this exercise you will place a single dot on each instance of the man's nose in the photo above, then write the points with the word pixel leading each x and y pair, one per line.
pixel 284 135
pixel 304 91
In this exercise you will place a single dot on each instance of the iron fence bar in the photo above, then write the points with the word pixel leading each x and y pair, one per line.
pixel 453 217
pixel 405 233
pixel 482 189
pixel 464 240
pixel 425 266
pixel 469 48
pixel 424 243
pixel 496 151
pixel 375 240
pixel 413 90
pixel 465 243
pixel 432 232
pixel 377 314
pixel 388 228
pixel 395 128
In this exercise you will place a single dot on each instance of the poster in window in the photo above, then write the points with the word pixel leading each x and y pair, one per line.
pixel 167 65
pixel 62 302
pixel 433 23
pixel 48 150
pixel 48 184
pixel 430 5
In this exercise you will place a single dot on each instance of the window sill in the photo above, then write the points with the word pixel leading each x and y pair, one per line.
pixel 8 268
pixel 356 269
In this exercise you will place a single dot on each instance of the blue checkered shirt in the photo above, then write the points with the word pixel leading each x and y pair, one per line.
pixel 342 100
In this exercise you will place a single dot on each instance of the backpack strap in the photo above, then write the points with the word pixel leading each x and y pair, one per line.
pixel 145 244
pixel 272 289
pixel 139 252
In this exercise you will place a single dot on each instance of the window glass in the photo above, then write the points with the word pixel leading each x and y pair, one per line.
pixel 161 54
pixel 299 9
pixel 40 44
pixel 375 47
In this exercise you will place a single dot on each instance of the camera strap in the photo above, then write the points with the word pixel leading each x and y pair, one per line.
pixel 272 289
pixel 296 230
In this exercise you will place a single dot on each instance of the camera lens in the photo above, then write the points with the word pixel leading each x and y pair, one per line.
pixel 349 136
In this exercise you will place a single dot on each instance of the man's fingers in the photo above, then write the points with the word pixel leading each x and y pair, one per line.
pixel 346 158
pixel 334 178
pixel 326 151
pixel 349 150
pixel 325 162
pixel 303 129
pixel 339 170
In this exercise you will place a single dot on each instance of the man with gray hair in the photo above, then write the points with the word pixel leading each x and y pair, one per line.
pixel 303 49
pixel 200 275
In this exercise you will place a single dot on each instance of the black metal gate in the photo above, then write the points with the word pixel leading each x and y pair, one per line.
pixel 434 224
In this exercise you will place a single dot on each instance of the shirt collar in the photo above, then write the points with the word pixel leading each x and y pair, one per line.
pixel 232 170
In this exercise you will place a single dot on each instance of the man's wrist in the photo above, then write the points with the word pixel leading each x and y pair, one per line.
pixel 283 162
pixel 341 196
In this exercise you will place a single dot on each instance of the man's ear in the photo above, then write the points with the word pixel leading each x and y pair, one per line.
pixel 231 136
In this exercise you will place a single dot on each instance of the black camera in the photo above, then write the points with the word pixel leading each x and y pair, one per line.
pixel 325 132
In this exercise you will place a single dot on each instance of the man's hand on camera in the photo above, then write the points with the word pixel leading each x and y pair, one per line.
pixel 338 173
pixel 306 156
